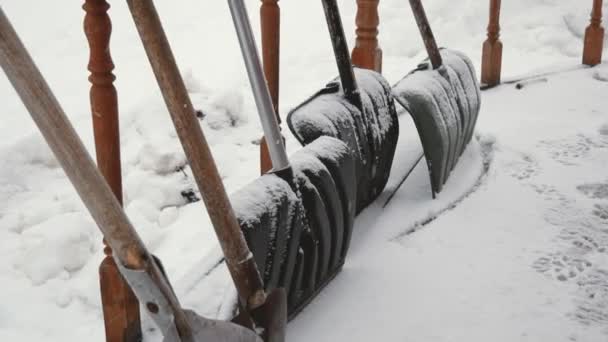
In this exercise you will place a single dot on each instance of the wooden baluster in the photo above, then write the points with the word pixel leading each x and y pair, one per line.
pixel 367 54
pixel 270 20
pixel 594 36
pixel 491 60
pixel 120 306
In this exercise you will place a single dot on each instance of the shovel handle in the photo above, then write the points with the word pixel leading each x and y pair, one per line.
pixel 261 94
pixel 427 33
pixel 341 52
pixel 239 259
pixel 129 250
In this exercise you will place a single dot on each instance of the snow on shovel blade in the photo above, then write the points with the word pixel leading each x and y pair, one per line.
pixel 267 211
pixel 371 134
pixel 300 242
pixel 340 163
pixel 324 173
pixel 318 176
pixel 444 104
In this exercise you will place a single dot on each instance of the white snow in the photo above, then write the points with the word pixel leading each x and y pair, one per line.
pixel 516 252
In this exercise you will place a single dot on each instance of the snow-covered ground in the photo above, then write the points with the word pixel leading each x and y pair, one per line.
pixel 515 249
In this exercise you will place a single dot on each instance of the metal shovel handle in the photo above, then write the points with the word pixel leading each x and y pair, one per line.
pixel 259 86
pixel 341 52
pixel 239 259
pixel 132 257
pixel 427 33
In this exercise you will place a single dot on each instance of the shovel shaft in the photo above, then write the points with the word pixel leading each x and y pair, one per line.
pixel 427 33
pixel 92 188
pixel 238 257
pixel 262 97
pixel 341 52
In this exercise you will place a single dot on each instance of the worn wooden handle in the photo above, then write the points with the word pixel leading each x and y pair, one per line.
pixel 238 257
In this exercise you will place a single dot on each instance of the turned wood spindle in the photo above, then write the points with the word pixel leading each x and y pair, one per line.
pixel 120 306
pixel 367 54
pixel 491 60
pixel 594 36
pixel 270 21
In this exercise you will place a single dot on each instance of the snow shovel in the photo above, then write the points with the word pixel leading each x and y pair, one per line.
pixel 315 250
pixel 142 271
pixel 443 98
pixel 259 310
pixel 294 263
pixel 322 246
pixel 358 109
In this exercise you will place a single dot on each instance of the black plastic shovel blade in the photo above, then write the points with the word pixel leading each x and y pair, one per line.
pixel 444 104
pixel 371 132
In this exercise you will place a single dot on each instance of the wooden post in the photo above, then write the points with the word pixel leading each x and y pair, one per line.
pixel 594 36
pixel 120 306
pixel 367 54
pixel 491 60
pixel 270 21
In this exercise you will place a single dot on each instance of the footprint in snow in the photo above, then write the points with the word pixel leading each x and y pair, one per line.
pixel 592 305
pixel 601 211
pixel 582 248
pixel 594 190
pixel 561 266
pixel 603 131
pixel 569 151
pixel 601 76
pixel 524 168
pixel 549 193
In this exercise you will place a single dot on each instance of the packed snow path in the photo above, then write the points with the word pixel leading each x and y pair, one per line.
pixel 519 259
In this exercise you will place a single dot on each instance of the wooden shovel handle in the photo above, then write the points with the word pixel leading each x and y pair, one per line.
pixel 239 259
pixel 427 33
